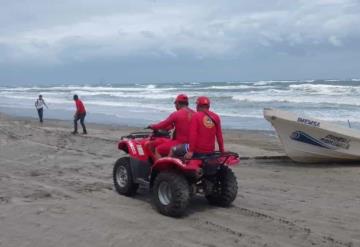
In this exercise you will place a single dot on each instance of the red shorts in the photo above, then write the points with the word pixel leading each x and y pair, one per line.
pixel 164 148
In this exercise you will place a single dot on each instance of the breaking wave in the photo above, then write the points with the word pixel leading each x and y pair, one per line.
pixel 333 100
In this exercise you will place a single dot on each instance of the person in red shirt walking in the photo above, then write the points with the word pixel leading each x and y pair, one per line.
pixel 79 115
pixel 205 127
pixel 180 120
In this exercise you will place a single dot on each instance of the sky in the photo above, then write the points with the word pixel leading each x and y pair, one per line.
pixel 147 41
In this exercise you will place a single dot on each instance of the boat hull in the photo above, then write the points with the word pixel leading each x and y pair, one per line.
pixel 314 141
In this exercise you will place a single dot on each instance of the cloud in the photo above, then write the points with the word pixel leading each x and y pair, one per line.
pixel 204 28
pixel 58 32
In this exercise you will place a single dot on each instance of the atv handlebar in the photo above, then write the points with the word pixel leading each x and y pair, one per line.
pixel 146 134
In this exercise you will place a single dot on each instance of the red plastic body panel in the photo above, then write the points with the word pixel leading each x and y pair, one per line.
pixel 190 165
pixel 136 148
pixel 232 161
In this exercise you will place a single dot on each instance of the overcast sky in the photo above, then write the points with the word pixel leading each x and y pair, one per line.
pixel 67 41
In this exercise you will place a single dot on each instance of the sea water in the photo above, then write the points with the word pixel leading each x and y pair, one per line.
pixel 240 104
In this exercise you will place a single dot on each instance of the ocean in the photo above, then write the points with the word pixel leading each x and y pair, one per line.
pixel 240 104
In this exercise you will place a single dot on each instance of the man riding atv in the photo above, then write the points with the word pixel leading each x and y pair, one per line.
pixel 174 180
pixel 205 126
pixel 180 120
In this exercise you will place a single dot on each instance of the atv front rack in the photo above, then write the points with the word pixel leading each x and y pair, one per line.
pixel 136 135
pixel 146 134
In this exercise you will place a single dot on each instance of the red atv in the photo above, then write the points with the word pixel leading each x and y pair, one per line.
pixel 173 180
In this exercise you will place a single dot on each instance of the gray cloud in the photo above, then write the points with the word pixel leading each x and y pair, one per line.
pixel 60 34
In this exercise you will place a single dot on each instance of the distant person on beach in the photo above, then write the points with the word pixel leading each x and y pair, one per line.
pixel 79 115
pixel 205 127
pixel 39 104
pixel 180 120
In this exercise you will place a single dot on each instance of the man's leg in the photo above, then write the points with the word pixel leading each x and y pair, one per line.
pixel 157 155
pixel 82 118
pixel 76 118
pixel 164 149
pixel 40 113
pixel 152 145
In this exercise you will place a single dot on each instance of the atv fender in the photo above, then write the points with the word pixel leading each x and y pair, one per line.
pixel 170 163
pixel 231 161
pixel 134 149
pixel 123 145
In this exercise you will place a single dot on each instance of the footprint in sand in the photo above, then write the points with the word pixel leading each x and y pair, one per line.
pixel 4 200
pixel 36 195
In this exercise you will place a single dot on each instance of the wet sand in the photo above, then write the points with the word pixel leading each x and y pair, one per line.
pixel 56 190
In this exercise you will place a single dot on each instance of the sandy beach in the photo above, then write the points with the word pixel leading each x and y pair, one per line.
pixel 56 190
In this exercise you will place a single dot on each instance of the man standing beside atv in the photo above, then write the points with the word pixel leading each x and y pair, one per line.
pixel 180 119
pixel 205 126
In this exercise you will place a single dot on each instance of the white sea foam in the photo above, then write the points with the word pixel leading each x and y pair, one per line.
pixel 328 99
pixel 272 82
pixel 262 83
pixel 326 89
pixel 229 87
pixel 130 104
pixel 298 100
pixel 89 88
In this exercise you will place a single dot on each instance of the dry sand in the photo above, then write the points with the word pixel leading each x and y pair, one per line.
pixel 56 190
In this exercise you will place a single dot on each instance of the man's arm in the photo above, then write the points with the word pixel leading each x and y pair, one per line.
pixel 45 104
pixel 77 104
pixel 219 135
pixel 165 124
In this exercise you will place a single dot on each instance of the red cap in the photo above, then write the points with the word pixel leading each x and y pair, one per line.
pixel 202 100
pixel 182 98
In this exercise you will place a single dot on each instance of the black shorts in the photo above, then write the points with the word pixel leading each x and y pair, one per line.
pixel 180 150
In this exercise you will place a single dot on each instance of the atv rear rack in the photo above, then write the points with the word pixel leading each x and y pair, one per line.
pixel 218 157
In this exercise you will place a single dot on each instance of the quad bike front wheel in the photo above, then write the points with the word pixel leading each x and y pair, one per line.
pixel 225 188
pixel 171 194
pixel 123 179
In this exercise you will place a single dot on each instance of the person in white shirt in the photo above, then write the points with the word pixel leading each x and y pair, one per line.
pixel 39 104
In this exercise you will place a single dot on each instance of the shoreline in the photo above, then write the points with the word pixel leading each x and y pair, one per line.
pixel 248 143
pixel 129 117
pixel 54 121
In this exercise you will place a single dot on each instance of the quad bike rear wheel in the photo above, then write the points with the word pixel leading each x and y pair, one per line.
pixel 171 194
pixel 123 179
pixel 225 188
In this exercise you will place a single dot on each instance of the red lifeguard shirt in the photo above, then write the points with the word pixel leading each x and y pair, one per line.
pixel 181 120
pixel 203 131
pixel 80 108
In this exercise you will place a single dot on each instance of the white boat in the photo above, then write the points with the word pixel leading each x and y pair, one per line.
pixel 314 141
